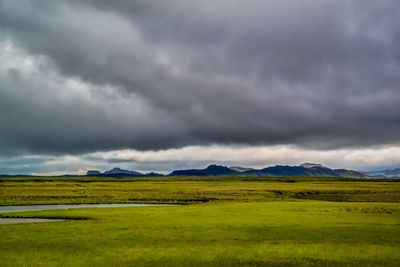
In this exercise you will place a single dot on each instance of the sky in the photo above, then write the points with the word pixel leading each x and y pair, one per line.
pixel 171 84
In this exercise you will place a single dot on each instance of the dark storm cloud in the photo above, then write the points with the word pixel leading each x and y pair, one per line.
pixel 173 73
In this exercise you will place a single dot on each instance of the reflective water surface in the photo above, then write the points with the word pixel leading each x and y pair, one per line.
pixel 4 209
pixel 26 220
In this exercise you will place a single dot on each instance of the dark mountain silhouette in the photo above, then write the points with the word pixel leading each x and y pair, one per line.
pixel 302 171
pixel 314 170
pixel 121 171
pixel 310 165
pixel 93 173
pixel 117 172
pixel 395 173
pixel 281 171
pixel 212 170
pixel 240 169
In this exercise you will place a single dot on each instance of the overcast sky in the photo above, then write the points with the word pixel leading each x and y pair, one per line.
pixel 158 85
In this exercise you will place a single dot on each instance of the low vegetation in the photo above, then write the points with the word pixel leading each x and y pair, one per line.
pixel 230 221
pixel 24 191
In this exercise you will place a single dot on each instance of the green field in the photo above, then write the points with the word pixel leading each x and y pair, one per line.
pixel 226 221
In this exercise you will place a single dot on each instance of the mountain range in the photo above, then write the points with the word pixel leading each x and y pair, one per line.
pixel 117 172
pixel 391 173
pixel 306 169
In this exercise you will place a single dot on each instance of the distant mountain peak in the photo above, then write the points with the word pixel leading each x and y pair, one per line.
pixel 211 170
pixel 121 171
pixel 393 173
pixel 118 172
pixel 240 169
pixel 311 165
pixel 215 166
pixel 93 172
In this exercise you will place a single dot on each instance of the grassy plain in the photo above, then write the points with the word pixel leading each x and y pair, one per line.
pixel 229 221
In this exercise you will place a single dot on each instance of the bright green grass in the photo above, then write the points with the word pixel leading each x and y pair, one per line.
pixel 22 191
pixel 243 227
pixel 212 234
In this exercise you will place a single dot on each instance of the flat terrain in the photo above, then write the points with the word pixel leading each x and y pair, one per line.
pixel 227 221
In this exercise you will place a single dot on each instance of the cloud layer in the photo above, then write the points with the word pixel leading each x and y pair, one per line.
pixel 84 76
pixel 164 161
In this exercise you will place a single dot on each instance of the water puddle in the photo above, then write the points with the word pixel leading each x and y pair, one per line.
pixel 27 220
pixel 8 209
pixel 4 209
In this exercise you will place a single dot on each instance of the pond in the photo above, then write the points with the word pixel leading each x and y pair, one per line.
pixel 27 220
pixel 7 209
pixel 4 209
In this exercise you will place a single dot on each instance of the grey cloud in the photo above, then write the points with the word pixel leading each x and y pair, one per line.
pixel 48 114
pixel 322 74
